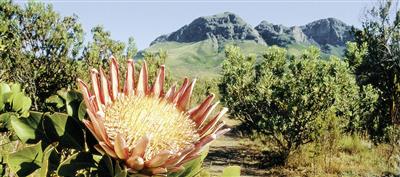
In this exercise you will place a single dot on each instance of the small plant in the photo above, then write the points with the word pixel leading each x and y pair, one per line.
pixel 353 144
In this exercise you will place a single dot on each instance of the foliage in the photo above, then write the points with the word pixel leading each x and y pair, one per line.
pixel 44 51
pixel 375 60
pixel 59 144
pixel 291 99
pixel 13 103
pixel 97 52
pixel 40 46
pixel 355 155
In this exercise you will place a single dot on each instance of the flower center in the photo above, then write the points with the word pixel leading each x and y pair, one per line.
pixel 134 117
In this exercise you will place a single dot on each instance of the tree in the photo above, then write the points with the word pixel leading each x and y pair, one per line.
pixel 97 52
pixel 375 59
pixel 38 48
pixel 131 50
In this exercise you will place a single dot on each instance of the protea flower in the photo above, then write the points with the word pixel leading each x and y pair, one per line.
pixel 152 132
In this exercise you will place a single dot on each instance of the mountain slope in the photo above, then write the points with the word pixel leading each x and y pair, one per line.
pixel 200 59
pixel 197 49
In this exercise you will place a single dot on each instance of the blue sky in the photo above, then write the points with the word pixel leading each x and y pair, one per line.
pixel 146 20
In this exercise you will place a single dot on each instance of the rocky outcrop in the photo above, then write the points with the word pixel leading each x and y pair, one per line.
pixel 328 31
pixel 225 26
pixel 325 33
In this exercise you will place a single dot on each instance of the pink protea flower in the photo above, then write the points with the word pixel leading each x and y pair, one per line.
pixel 152 132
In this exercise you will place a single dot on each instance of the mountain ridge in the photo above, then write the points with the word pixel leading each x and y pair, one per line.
pixel 228 26
pixel 197 49
pixel 223 26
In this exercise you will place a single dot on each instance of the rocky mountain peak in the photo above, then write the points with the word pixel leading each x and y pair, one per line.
pixel 223 26
pixel 328 31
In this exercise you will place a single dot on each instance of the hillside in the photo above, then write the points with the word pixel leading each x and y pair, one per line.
pixel 200 59
pixel 197 49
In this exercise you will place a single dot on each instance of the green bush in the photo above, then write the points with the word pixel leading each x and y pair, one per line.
pixel 374 59
pixel 291 99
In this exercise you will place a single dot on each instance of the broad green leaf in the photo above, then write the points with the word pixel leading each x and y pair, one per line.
pixel 193 167
pixel 67 129
pixel 231 171
pixel 8 97
pixel 27 160
pixel 21 104
pixel 5 120
pixel 2 103
pixel 55 99
pixel 120 172
pixel 16 88
pixel 2 169
pixel 105 167
pixel 4 88
pixel 73 102
pixel 26 128
pixel 75 162
pixel 82 111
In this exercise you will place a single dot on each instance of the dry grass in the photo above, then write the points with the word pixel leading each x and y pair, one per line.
pixel 348 156
pixel 354 156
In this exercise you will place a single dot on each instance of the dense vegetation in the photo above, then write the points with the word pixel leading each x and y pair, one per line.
pixel 295 104
pixel 294 100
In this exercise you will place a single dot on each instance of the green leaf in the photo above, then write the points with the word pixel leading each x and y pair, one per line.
pixel 4 88
pixel 5 121
pixel 46 165
pixel 231 171
pixel 193 167
pixel 2 103
pixel 72 101
pixel 75 162
pixel 67 130
pixel 26 128
pixel 27 160
pixel 21 104
pixel 55 99
pixel 105 167
pixel 120 172
pixel 16 88
pixel 82 111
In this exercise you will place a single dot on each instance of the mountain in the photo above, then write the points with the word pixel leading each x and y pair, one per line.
pixel 196 49
pixel 221 27
pixel 281 35
pixel 328 34
pixel 328 31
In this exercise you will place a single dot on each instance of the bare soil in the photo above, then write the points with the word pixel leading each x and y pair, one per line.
pixel 230 149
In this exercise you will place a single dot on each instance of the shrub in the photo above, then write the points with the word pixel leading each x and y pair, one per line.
pixel 291 99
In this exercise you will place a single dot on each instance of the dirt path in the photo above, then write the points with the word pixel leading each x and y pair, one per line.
pixel 229 149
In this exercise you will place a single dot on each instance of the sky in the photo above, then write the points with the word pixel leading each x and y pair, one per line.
pixel 146 20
